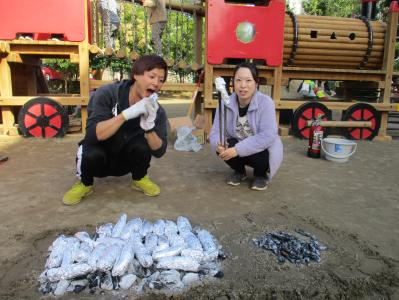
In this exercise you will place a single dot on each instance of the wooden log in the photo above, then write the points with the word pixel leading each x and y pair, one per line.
pixel 332 52
pixel 332 58
pixel 4 47
pixel 324 19
pixel 332 37
pixel 339 39
pixel 314 33
pixel 108 51
pixel 349 124
pixel 327 32
pixel 182 65
pixel 378 26
pixel 196 66
pixel 332 27
pixel 134 55
pixel 94 49
pixel 335 64
pixel 189 8
pixel 321 45
pixel 121 54
pixel 169 62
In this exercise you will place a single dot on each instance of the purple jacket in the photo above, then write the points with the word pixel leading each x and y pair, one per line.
pixel 262 120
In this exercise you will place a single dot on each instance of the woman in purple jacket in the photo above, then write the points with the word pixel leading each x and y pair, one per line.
pixel 252 135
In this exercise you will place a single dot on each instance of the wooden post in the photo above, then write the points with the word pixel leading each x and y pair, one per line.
pixel 208 90
pixel 276 89
pixel 6 90
pixel 32 80
pixel 84 70
pixel 198 21
pixel 390 42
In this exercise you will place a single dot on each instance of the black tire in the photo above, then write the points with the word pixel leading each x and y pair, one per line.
pixel 306 112
pixel 42 117
pixel 362 112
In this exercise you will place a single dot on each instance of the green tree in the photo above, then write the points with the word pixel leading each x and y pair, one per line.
pixel 177 40
pixel 337 8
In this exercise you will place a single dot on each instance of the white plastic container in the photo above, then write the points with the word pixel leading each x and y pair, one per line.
pixel 337 149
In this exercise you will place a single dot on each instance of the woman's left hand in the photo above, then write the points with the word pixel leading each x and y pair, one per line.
pixel 228 153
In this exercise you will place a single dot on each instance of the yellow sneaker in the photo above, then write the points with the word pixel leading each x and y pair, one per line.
pixel 76 193
pixel 145 185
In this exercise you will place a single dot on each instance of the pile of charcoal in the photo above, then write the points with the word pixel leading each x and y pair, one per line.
pixel 289 247
pixel 135 255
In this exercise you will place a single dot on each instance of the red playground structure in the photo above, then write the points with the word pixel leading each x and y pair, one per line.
pixel 53 17
pixel 255 31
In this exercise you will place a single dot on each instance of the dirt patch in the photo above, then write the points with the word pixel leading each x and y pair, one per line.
pixel 350 208
pixel 349 268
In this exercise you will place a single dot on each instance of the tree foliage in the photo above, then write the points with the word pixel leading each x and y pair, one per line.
pixel 135 35
pixel 337 8
pixel 342 8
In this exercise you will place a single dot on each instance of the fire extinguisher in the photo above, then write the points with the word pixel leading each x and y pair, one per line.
pixel 315 137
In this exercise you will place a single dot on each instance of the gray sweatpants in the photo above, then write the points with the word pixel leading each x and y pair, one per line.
pixel 157 30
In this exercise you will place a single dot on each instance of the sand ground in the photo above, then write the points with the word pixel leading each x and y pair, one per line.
pixel 352 208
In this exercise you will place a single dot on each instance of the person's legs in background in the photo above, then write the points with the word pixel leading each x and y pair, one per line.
pixel 157 30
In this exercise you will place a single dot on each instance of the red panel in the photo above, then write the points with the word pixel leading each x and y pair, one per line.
pixel 49 110
pixel 29 121
pixel 49 132
pixel 317 113
pixel 41 17
pixel 268 21
pixel 56 121
pixel 373 123
pixel 367 114
pixel 308 113
pixel 36 110
pixel 357 115
pixel 36 132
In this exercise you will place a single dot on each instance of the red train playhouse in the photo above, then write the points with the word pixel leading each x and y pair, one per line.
pixel 359 52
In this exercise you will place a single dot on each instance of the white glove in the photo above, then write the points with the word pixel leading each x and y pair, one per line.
pixel 136 109
pixel 147 121
pixel 220 86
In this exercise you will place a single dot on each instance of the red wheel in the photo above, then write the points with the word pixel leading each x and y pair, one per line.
pixel 362 112
pixel 42 117
pixel 307 112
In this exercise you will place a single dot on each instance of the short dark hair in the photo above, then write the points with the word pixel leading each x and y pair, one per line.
pixel 148 63
pixel 252 68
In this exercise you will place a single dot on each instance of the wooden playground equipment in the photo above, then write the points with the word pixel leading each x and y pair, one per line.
pixel 323 48
pixel 292 47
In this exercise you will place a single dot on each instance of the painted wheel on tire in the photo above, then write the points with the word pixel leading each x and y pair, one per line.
pixel 43 117
pixel 362 112
pixel 307 112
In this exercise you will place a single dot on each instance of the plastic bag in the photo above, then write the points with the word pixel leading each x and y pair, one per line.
pixel 186 141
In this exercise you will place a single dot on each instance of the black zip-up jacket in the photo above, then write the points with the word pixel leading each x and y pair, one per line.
pixel 109 101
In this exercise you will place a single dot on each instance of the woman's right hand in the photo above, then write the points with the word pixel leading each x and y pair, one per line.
pixel 220 148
